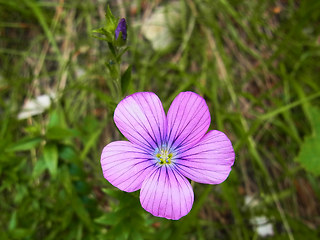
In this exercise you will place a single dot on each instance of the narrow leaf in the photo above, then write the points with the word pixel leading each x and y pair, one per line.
pixel 111 21
pixel 39 168
pixel 125 80
pixel 57 133
pixel 24 144
pixel 50 155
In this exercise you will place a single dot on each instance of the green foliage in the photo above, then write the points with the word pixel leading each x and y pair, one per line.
pixel 116 52
pixel 109 29
pixel 310 149
pixel 125 80
pixel 255 62
pixel 128 220
pixel 50 156
pixel 23 144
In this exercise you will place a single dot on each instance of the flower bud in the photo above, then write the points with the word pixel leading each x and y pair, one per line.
pixel 122 31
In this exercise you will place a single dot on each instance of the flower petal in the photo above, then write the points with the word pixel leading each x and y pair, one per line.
pixel 166 193
pixel 141 119
pixel 209 161
pixel 126 165
pixel 188 120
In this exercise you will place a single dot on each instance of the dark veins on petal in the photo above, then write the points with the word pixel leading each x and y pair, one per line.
pixel 133 128
pixel 153 131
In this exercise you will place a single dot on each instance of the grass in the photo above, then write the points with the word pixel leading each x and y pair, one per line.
pixel 255 63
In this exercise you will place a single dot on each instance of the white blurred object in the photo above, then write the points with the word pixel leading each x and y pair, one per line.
pixel 36 106
pixel 80 72
pixel 250 201
pixel 157 27
pixel 262 226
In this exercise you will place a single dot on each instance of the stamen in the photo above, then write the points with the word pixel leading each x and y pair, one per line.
pixel 164 157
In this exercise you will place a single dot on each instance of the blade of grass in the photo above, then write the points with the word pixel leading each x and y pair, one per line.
pixel 41 18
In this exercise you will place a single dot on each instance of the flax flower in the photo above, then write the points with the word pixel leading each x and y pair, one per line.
pixel 164 151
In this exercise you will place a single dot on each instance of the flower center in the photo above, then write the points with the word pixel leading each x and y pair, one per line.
pixel 164 157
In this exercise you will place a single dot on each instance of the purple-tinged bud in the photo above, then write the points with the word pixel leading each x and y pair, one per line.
pixel 122 27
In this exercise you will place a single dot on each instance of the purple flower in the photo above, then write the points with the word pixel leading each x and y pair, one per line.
pixel 122 27
pixel 163 151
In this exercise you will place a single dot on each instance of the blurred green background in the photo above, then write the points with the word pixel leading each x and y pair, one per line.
pixel 257 64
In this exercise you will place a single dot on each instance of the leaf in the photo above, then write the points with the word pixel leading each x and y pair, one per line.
pixel 91 141
pixel 121 52
pixel 50 155
pixel 101 31
pixel 120 42
pixel 111 21
pixel 39 168
pixel 115 193
pixel 136 235
pixel 57 119
pixel 309 153
pixel 20 233
pixel 13 221
pixel 125 80
pixel 24 144
pixel 109 29
pixel 108 219
pixel 66 181
pixel 58 133
pixel 81 212
pixel 108 35
pixel 68 154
